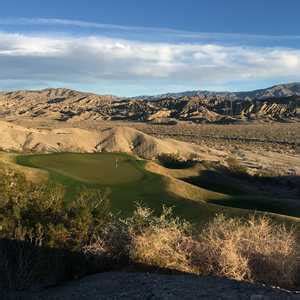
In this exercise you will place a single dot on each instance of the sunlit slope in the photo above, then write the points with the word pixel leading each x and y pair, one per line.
pixel 20 139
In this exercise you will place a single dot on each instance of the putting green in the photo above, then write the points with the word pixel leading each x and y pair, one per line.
pixel 98 168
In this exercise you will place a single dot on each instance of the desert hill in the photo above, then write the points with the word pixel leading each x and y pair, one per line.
pixel 118 139
pixel 15 138
pixel 61 104
pixel 279 103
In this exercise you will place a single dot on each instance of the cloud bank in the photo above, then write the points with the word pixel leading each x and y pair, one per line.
pixel 89 59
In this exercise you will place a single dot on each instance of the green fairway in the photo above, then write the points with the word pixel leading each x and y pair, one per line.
pixel 244 193
pixel 103 169
pixel 129 182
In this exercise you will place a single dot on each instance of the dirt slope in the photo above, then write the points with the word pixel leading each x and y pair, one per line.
pixel 119 139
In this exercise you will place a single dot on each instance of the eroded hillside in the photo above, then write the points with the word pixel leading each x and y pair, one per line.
pixel 274 104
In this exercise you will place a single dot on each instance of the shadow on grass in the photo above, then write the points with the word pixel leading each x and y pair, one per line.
pixel 277 194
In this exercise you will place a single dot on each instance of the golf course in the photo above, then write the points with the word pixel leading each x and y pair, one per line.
pixel 124 176
pixel 129 181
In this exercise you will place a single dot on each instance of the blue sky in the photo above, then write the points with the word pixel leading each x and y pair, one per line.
pixel 137 47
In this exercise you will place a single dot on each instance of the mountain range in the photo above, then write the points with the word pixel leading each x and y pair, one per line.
pixel 276 91
pixel 278 103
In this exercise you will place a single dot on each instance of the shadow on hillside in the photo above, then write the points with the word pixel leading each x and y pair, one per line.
pixel 277 194
pixel 25 266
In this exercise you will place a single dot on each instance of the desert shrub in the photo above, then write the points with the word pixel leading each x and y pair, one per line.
pixel 38 212
pixel 235 167
pixel 24 265
pixel 111 242
pixel 255 250
pixel 163 121
pixel 36 225
pixel 174 161
pixel 144 238
pixel 35 221
pixel 163 241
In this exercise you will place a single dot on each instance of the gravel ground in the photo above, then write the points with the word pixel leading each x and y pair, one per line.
pixel 122 285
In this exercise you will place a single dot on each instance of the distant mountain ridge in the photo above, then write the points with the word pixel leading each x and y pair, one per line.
pixel 277 103
pixel 276 91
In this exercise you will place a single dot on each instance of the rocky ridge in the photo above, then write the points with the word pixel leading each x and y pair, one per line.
pixel 274 104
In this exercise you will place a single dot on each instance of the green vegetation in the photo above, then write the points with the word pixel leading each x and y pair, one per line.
pixel 41 236
pixel 98 171
pixel 246 191
pixel 45 238
pixel 174 161
pixel 103 169
pixel 129 182
pixel 235 167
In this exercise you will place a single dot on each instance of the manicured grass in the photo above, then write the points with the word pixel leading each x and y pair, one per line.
pixel 253 202
pixel 244 193
pixel 129 182
pixel 103 169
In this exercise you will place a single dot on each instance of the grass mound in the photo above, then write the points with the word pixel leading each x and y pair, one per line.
pixel 234 188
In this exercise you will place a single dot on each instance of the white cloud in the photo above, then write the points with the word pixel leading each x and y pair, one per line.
pixel 20 45
pixel 90 59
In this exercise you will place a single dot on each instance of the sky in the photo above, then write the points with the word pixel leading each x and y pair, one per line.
pixel 139 47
